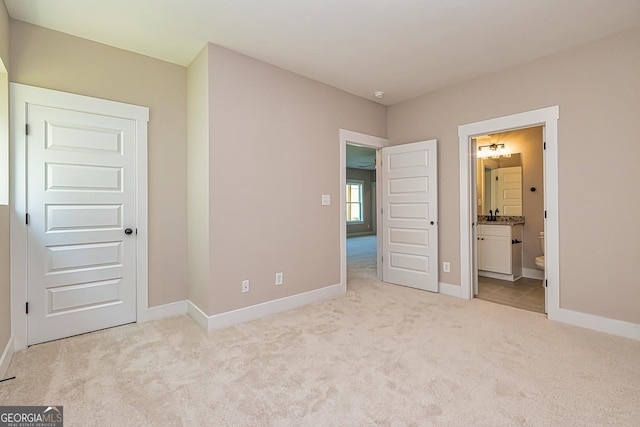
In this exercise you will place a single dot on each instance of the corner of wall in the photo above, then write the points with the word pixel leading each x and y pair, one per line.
pixel 198 178
pixel 245 314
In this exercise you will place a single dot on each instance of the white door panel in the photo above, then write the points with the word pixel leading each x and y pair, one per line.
pixel 410 237
pixel 408 213
pixel 83 217
pixel 83 177
pixel 80 200
pixel 418 238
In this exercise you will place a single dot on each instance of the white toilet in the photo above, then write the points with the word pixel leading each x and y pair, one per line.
pixel 540 259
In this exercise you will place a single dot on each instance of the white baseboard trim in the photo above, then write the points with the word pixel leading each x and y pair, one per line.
pixel 449 289
pixel 361 233
pixel 499 276
pixel 597 323
pixel 223 320
pixel 167 310
pixel 533 273
pixel 5 360
pixel 198 315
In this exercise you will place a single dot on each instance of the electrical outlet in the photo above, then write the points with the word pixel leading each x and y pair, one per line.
pixel 446 267
pixel 245 286
pixel 279 278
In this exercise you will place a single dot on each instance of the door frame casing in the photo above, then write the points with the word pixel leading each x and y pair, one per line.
pixel 21 95
pixel 363 140
pixel 547 117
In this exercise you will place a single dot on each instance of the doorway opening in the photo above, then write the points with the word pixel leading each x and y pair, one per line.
pixel 359 140
pixel 509 188
pixel 548 119
pixel 361 179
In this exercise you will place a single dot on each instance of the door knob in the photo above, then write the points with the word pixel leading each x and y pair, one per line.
pixel 432 223
pixel 128 231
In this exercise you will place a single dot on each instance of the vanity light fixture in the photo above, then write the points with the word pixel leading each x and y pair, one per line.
pixel 494 150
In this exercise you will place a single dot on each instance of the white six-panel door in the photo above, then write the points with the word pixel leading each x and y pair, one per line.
pixel 410 215
pixel 81 202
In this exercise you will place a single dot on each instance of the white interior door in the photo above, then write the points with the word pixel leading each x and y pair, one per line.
pixel 509 190
pixel 410 215
pixel 81 244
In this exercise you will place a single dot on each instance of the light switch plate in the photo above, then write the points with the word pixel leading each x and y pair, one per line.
pixel 326 200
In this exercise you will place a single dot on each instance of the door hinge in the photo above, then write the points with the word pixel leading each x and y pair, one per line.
pixel 546 283
pixel 26 129
pixel 545 214
pixel 27 308
pixel 136 231
pixel 26 219
pixel 544 145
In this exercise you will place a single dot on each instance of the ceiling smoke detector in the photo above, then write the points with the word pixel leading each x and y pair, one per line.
pixel 378 94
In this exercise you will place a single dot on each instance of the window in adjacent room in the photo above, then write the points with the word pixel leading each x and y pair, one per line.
pixel 354 201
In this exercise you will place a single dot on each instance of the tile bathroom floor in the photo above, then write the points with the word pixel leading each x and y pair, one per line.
pixel 527 294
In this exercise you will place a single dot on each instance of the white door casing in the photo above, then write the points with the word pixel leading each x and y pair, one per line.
pixel 410 215
pixel 548 117
pixel 84 160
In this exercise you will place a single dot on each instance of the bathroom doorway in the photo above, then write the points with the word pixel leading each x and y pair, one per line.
pixel 548 119
pixel 509 184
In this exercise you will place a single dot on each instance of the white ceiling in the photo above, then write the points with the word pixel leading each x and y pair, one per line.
pixel 402 47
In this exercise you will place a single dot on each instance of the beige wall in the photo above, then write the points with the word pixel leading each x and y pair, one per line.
pixel 198 248
pixel 45 58
pixel 269 128
pixel 368 177
pixel 5 275
pixel 596 87
pixel 4 35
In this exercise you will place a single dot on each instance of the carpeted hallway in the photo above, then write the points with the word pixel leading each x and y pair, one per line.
pixel 378 355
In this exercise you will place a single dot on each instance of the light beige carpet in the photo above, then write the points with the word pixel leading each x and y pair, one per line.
pixel 379 355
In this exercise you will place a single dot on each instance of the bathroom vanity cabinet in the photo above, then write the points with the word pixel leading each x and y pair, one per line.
pixel 499 249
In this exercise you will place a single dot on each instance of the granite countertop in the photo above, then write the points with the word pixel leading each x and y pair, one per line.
pixel 501 220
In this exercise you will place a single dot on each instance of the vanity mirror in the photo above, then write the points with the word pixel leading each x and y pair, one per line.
pixel 499 185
